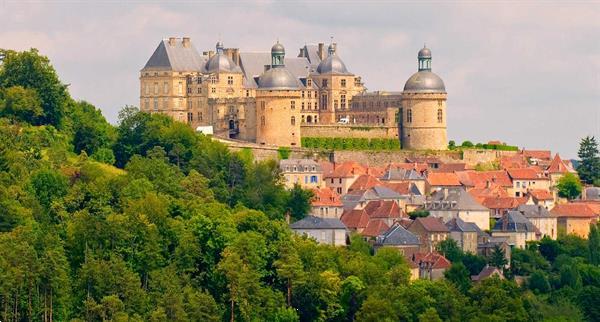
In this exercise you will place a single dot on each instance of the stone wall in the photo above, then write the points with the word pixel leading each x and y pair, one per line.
pixel 348 131
pixel 381 158
pixel 473 156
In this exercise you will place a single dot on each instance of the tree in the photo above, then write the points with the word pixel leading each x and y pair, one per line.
pixel 91 131
pixel 549 248
pixel 458 275
pixel 48 186
pixel 418 213
pixel 20 104
pixel 467 144
pixel 569 186
pixel 449 248
pixel 430 315
pixel 498 257
pixel 289 268
pixel 451 145
pixel 352 296
pixel 594 245
pixel 298 202
pixel 31 70
pixel 538 282
pixel 589 166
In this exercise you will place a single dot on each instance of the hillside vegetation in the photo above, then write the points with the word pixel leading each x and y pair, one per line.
pixel 148 221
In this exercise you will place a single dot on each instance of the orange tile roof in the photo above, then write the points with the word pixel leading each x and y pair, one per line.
pixel 503 202
pixel 471 178
pixel 541 194
pixel 574 210
pixel 326 197
pixel 525 174
pixel 327 167
pixel 347 170
pixel 515 161
pixel 375 228
pixel 436 260
pixel 419 167
pixel 431 224
pixel 558 166
pixel 384 209
pixel 493 190
pixel 402 188
pixel 355 218
pixel 450 167
pixel 537 154
pixel 375 171
pixel 364 182
pixel 442 179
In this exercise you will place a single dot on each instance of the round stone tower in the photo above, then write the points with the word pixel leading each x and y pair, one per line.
pixel 423 121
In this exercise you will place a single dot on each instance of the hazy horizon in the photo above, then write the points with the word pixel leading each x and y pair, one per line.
pixel 524 73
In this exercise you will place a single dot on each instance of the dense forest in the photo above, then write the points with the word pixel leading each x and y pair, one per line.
pixel 149 221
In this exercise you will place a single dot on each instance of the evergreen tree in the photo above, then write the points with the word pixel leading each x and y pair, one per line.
pixel 589 166
pixel 459 276
pixel 594 245
pixel 498 257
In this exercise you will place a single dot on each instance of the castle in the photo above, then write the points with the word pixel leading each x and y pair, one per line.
pixel 272 99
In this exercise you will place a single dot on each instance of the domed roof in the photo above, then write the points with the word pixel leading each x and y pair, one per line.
pixel 333 64
pixel 278 78
pixel 425 82
pixel 220 62
pixel 278 48
pixel 425 53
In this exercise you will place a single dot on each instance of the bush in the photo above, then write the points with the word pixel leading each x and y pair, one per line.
pixel 284 153
pixel 375 144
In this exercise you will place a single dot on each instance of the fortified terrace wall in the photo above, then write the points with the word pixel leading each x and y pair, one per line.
pixel 471 157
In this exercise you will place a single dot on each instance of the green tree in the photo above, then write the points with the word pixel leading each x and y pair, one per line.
pixel 449 248
pixel 498 257
pixel 589 166
pixel 594 245
pixel 298 202
pixel 20 104
pixel 538 282
pixel 352 296
pixel 48 186
pixel 91 131
pixel 31 70
pixel 430 315
pixel 549 248
pixel 569 186
pixel 459 276
pixel 418 213
pixel 289 268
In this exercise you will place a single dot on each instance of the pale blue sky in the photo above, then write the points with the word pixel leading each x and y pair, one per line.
pixel 527 73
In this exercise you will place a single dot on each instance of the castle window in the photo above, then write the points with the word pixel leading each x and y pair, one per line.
pixel 155 88
pixel 302 106
pixel 309 83
pixel 293 120
pixel 440 116
pixel 156 104
pixel 440 103
pixel 293 105
pixel 190 117
pixel 303 119
pixel 180 88
pixel 199 90
pixel 316 119
pixel 165 103
pixel 309 105
pixel 343 101
pixel 409 116
pixel 147 104
pixel 343 83
pixel 324 102
pixel 335 104
pixel 189 90
pixel 229 80
pixel 309 94
pixel 199 116
pixel 146 89
pixel 247 93
pixel 199 80
pixel 262 105
pixel 302 94
pixel 213 79
pixel 262 120
pixel 324 83
pixel 166 88
pixel 213 90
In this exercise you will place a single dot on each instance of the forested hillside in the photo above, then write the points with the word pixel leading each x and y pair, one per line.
pixel 148 221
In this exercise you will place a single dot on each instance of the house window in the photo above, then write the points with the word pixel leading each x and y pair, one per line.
pixel 309 105
pixel 310 95
pixel 335 104
pixel 440 115
pixel 229 80
pixel 324 83
pixel 293 105
pixel 339 190
pixel 293 120
pixel 247 93
pixel 343 83
pixel 409 116
pixel 190 117
pixel 213 79
pixel 313 179
pixel 324 102
pixel 302 94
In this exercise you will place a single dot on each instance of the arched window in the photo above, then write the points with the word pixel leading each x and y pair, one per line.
pixel 293 120
pixel 440 115
pixel 309 119
pixel 409 116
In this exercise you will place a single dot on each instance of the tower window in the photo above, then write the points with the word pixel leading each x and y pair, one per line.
pixel 166 88
pixel 409 116
pixel 262 120
pixel 309 83
pixel 302 106
pixel 343 101
pixel 440 115
pixel 293 120
pixel 229 80
pixel 180 88
pixel 293 105
pixel 343 83
pixel 324 83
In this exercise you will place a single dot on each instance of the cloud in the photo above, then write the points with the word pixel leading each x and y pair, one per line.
pixel 523 72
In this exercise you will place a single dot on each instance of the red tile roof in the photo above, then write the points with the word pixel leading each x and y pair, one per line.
pixel 384 209
pixel 402 188
pixel 515 161
pixel 541 194
pixel 442 179
pixel 326 197
pixel 558 166
pixel 493 190
pixel 537 154
pixel 347 170
pixel 436 260
pixel 574 210
pixel 355 219
pixel 419 167
pixel 525 174
pixel 431 224
pixel 365 182
pixel 472 178
pixel 503 202
pixel 375 228
pixel 451 167
pixel 327 168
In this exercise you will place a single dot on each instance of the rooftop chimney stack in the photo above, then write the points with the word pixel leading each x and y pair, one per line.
pixel 186 42
pixel 172 41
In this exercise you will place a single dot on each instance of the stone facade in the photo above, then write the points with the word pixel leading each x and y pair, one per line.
pixel 424 121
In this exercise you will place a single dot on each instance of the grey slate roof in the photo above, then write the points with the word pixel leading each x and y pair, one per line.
pixel 312 222
pixel 176 57
pixel 535 211
pixel 514 221
pixel 312 53
pixel 253 64
pixel 351 199
pixel 457 224
pixel 454 199
pixel 396 236
pixel 401 174
pixel 300 164
pixel 592 193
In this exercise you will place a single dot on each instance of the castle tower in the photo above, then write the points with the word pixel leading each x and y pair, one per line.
pixel 278 100
pixel 423 121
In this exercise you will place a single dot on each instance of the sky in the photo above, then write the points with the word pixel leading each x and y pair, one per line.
pixel 526 73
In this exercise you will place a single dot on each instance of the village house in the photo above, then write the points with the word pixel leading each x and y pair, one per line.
pixel 343 176
pixel 364 182
pixel 526 179
pixel 438 181
pixel 329 231
pixel 541 218
pixel 517 228
pixel 304 172
pixel 395 175
pixel 432 265
pixel 542 198
pixel 557 169
pixel 487 272
pixel 466 234
pixel 358 199
pixel 431 232
pixel 326 203
pixel 499 206
pixel 488 244
pixel 457 203
pixel 574 218
pixel 400 238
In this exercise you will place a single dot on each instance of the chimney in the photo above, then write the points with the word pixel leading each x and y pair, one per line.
pixel 186 42
pixel 301 54
pixel 236 56
pixel 172 41
pixel 211 53
pixel 321 52
pixel 487 183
